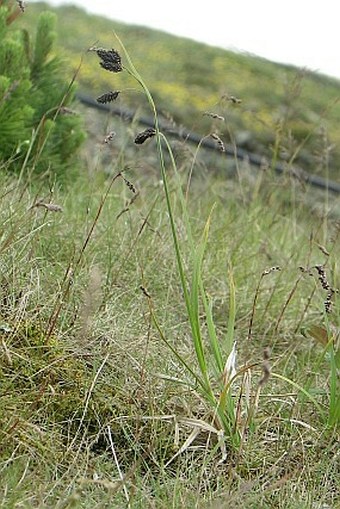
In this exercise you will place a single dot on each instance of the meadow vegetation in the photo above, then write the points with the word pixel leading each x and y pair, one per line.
pixel 169 334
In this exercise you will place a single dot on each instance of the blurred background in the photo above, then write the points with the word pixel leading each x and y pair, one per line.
pixel 270 72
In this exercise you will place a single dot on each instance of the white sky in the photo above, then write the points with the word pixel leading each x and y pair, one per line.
pixel 301 32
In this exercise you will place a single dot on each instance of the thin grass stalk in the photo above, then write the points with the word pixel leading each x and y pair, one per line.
pixel 334 396
pixel 195 292
pixel 288 300
pixel 232 314
pixel 190 300
pixel 194 375
pixel 302 390
pixel 226 407
pixel 334 360
pixel 197 255
pixel 71 270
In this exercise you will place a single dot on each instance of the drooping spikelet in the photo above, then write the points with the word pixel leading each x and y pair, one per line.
pixel 110 59
pixel 220 143
pixel 144 135
pixel 129 185
pixel 326 286
pixel 108 97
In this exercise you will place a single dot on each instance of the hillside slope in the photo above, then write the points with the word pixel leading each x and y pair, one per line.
pixel 290 111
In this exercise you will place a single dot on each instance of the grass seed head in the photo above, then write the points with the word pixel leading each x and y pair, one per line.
pixel 108 97
pixel 220 143
pixel 269 271
pixel 213 115
pixel 145 135
pixel 322 277
pixel 328 301
pixel 110 59
pixel 326 286
pixel 129 185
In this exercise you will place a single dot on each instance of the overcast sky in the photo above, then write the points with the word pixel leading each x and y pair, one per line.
pixel 301 32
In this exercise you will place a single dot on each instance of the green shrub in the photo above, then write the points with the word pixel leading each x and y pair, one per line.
pixel 35 124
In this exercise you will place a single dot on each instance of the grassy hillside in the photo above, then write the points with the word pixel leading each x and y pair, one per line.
pixel 291 113
pixel 169 336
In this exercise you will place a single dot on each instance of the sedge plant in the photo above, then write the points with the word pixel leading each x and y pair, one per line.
pixel 215 371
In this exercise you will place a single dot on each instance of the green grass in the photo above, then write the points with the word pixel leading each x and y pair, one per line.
pixel 104 366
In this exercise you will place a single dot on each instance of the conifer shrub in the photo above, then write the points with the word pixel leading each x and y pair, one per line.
pixel 38 129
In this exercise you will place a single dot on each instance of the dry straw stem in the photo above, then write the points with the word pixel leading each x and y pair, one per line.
pixel 51 207
pixel 90 302
pixel 285 305
pixel 263 380
pixel 74 265
pixel 128 205
pixel 266 272
pixel 64 110
pixel 87 402
pixel 120 473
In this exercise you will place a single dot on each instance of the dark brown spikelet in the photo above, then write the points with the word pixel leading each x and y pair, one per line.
pixel 144 135
pixel 108 97
pixel 144 290
pixel 322 277
pixel 110 59
pixel 129 185
pixel 326 286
